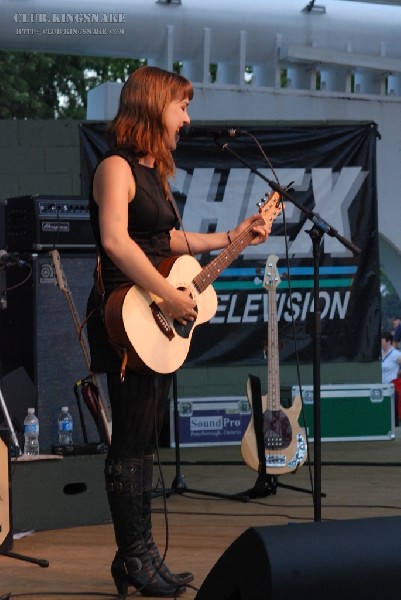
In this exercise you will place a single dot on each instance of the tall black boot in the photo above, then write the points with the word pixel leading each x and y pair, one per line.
pixel 177 579
pixel 132 564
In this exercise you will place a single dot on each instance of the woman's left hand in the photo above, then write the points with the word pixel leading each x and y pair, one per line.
pixel 261 232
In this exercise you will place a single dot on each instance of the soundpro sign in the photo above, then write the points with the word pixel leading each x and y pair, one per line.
pixel 220 421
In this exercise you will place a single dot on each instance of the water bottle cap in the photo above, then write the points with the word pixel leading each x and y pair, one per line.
pixel 31 411
pixel 64 408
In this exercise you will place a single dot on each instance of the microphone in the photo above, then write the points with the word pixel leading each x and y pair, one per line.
pixel 194 132
pixel 10 260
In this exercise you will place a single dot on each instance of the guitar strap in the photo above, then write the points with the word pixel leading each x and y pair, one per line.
pixel 178 215
pixel 99 279
pixel 256 398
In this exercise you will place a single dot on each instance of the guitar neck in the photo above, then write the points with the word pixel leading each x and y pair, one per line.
pixel 78 329
pixel 213 269
pixel 104 410
pixel 273 381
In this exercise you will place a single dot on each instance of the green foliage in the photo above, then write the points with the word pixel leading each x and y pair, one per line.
pixel 38 85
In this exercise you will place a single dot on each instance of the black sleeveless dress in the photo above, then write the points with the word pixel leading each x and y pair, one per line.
pixel 150 219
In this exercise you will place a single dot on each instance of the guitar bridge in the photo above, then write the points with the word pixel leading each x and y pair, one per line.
pixel 161 321
pixel 275 460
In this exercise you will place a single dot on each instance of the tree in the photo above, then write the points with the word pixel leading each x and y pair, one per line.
pixel 38 85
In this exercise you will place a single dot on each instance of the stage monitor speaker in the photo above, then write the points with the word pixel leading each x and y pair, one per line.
pixel 39 334
pixel 336 560
pixel 6 536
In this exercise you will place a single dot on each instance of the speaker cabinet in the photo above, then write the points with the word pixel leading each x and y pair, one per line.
pixel 39 334
pixel 62 493
pixel 6 536
pixel 347 560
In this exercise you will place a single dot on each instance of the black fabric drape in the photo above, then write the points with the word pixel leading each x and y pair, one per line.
pixel 350 286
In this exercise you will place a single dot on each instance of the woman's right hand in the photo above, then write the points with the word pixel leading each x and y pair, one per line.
pixel 180 306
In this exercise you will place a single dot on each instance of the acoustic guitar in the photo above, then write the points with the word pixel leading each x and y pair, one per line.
pixel 143 334
pixel 276 427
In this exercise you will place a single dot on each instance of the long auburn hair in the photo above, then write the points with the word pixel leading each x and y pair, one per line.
pixel 139 124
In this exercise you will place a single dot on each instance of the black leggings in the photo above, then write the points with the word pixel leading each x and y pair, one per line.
pixel 138 407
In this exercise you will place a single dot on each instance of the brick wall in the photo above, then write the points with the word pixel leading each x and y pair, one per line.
pixel 39 157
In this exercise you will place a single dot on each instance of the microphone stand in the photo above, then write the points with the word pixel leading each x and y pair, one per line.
pixel 38 561
pixel 319 228
pixel 13 435
pixel 13 439
pixel 179 484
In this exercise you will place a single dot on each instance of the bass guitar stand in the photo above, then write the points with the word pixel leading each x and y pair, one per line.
pixel 266 484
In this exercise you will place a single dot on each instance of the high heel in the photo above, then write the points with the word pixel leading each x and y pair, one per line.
pixel 119 572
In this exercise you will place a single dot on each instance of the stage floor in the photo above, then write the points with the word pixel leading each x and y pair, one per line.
pixel 358 480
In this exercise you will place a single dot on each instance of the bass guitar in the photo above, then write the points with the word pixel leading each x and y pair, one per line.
pixel 275 428
pixel 105 411
pixel 144 335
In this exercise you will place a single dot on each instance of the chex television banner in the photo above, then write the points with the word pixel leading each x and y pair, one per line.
pixel 331 171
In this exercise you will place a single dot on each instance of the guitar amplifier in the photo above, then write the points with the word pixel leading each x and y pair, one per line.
pixel 36 223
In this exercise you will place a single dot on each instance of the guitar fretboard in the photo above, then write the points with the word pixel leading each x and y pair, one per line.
pixel 273 383
pixel 211 271
pixel 270 283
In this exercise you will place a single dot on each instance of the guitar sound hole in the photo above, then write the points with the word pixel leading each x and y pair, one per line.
pixel 277 430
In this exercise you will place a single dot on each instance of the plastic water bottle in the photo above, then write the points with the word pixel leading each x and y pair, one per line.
pixel 31 433
pixel 65 427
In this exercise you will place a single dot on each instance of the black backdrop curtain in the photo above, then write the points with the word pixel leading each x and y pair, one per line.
pixel 332 169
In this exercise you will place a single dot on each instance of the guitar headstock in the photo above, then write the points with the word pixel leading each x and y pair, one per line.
pixel 271 279
pixel 271 208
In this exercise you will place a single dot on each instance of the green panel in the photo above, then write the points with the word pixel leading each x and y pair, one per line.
pixel 351 412
pixel 231 380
